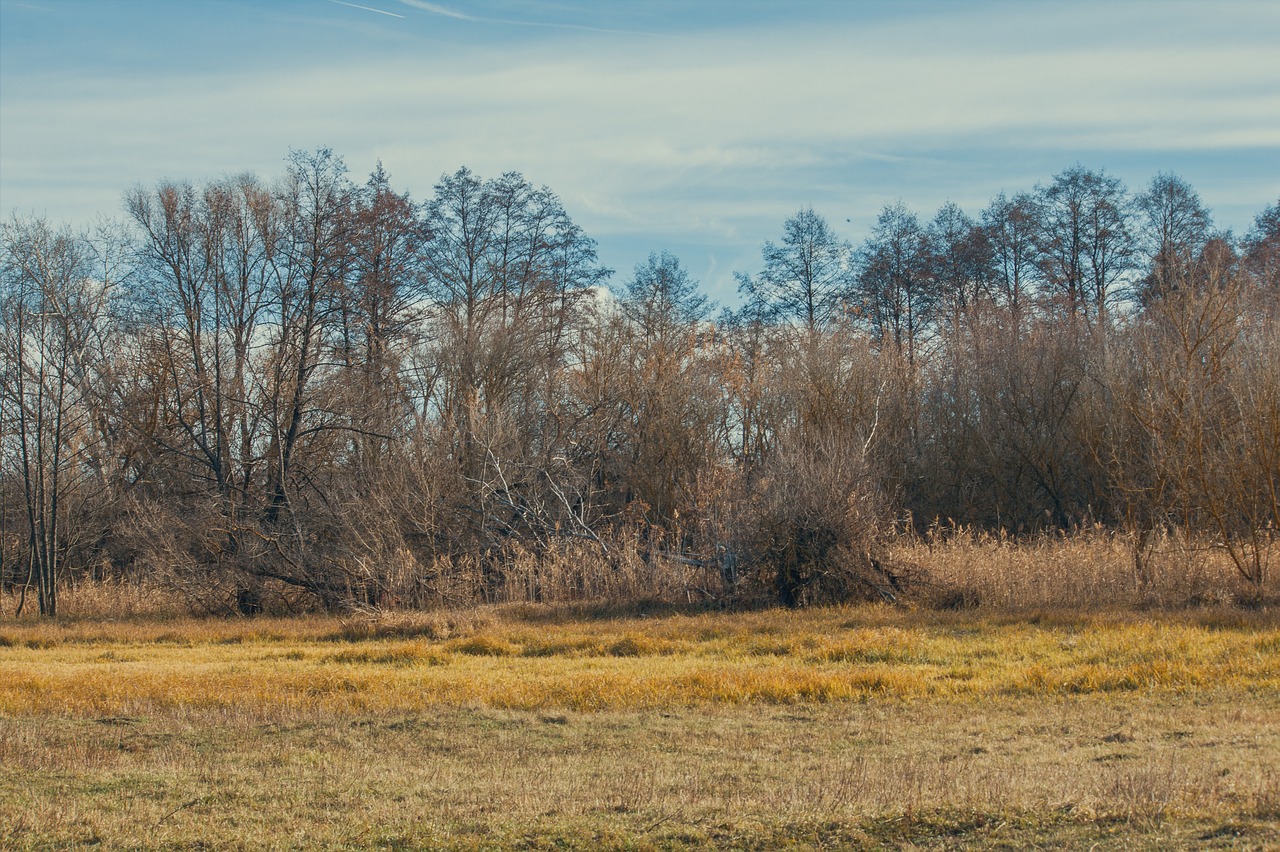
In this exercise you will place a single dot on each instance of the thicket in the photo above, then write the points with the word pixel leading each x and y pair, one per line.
pixel 317 392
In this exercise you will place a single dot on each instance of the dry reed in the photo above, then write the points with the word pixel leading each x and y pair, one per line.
pixel 1089 570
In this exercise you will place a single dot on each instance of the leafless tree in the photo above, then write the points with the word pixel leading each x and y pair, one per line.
pixel 52 347
pixel 1084 243
pixel 808 275
pixel 1262 247
pixel 1175 228
pixel 899 295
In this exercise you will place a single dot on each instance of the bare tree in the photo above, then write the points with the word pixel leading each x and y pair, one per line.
pixel 669 393
pixel 807 276
pixel 1011 226
pixel 1209 409
pixel 315 260
pixel 54 313
pixel 1175 228
pixel 1084 244
pixel 960 259
pixel 1262 248
pixel 509 273
pixel 662 300
pixel 899 295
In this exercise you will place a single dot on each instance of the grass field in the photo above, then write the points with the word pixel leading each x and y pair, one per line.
pixel 528 727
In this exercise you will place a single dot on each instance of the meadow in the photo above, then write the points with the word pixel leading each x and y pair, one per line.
pixel 523 726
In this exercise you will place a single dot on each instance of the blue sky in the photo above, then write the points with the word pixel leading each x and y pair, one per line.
pixel 696 127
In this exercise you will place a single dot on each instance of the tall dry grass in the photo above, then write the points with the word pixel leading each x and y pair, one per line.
pixel 102 600
pixel 954 568
pixel 1087 570
pixel 573 571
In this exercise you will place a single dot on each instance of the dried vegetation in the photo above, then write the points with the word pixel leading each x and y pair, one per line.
pixel 531 726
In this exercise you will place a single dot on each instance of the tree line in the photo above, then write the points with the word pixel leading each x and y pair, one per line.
pixel 323 392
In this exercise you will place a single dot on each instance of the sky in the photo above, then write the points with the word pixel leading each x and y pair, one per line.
pixel 693 127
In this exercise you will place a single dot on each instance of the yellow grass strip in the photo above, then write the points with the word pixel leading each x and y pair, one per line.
pixel 531 659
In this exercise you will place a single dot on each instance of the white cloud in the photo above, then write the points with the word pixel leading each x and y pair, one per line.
pixel 707 142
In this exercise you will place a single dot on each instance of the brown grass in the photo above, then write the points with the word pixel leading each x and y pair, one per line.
pixel 1089 570
pixel 1016 722
pixel 1085 571
pixel 1148 771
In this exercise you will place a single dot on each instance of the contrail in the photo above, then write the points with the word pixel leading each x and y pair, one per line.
pixel 444 11
pixel 436 9
pixel 366 8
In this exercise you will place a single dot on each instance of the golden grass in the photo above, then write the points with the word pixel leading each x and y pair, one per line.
pixel 533 659
pixel 543 727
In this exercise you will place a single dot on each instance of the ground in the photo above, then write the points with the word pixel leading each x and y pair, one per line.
pixel 527 727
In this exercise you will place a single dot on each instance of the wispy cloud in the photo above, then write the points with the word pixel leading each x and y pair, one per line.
pixel 366 8
pixel 701 149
